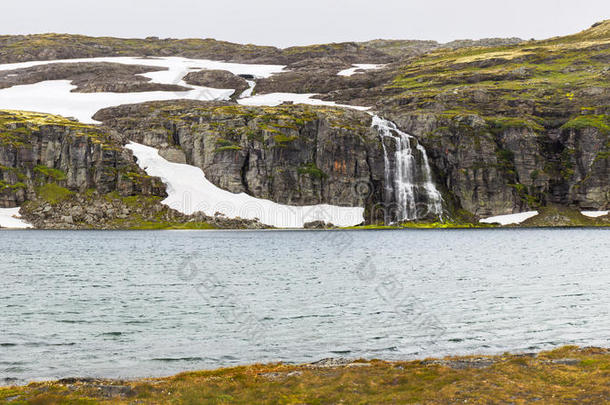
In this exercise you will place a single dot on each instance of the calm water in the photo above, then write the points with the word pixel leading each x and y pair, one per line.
pixel 129 304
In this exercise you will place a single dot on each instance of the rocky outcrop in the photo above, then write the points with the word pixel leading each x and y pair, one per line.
pixel 493 168
pixel 66 175
pixel 218 79
pixel 21 48
pixel 508 125
pixel 90 77
pixel 113 211
pixel 37 150
pixel 323 81
pixel 297 155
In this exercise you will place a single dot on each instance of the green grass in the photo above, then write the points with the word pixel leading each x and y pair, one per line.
pixel 312 170
pixel 502 379
pixel 53 193
pixel 54 174
pixel 529 85
pixel 601 122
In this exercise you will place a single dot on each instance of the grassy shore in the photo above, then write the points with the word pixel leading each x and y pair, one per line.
pixel 566 375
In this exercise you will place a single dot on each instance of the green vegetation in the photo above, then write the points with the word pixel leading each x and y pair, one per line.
pixel 499 124
pixel 554 215
pixel 312 170
pixel 601 122
pixel 225 144
pixel 16 186
pixel 52 193
pixel 17 129
pixel 566 375
pixel 53 174
pixel 529 85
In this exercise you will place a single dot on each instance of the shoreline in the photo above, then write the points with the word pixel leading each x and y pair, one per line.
pixel 568 374
pixel 424 227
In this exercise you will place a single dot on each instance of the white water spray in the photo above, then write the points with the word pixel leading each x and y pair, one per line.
pixel 408 179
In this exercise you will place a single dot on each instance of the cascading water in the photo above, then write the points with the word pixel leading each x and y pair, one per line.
pixel 408 178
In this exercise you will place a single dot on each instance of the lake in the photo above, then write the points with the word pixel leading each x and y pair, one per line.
pixel 154 303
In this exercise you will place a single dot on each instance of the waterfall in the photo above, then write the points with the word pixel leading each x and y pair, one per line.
pixel 408 178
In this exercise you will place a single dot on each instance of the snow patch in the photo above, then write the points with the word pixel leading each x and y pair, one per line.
pixel 510 218
pixel 594 214
pixel 177 67
pixel 10 218
pixel 189 191
pixel 359 66
pixel 56 97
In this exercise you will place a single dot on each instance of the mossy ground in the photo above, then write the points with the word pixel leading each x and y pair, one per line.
pixel 554 215
pixel 566 375
pixel 535 84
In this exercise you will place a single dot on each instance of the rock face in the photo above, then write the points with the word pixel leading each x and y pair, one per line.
pixel 297 155
pixel 38 149
pixel 67 175
pixel 218 79
pixel 20 48
pixel 508 125
pixel 492 170
pixel 113 211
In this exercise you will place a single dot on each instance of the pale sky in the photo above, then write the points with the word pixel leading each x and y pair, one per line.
pixel 288 22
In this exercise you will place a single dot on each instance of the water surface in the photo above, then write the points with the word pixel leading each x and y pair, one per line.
pixel 134 304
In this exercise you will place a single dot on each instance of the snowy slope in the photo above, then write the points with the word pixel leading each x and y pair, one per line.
pixel 359 66
pixel 56 97
pixel 594 214
pixel 510 218
pixel 10 218
pixel 189 191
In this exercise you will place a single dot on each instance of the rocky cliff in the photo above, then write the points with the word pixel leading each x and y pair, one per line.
pixel 70 175
pixel 38 149
pixel 508 125
pixel 292 154
pixel 514 128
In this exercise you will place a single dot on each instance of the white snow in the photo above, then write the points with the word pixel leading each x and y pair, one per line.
pixel 273 99
pixel 510 218
pixel 10 218
pixel 359 66
pixel 249 90
pixel 55 96
pixel 189 191
pixel 178 66
pixel 594 214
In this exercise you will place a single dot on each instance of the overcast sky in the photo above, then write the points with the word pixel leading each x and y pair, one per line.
pixel 289 22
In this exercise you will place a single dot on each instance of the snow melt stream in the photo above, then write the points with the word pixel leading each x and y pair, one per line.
pixel 189 192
